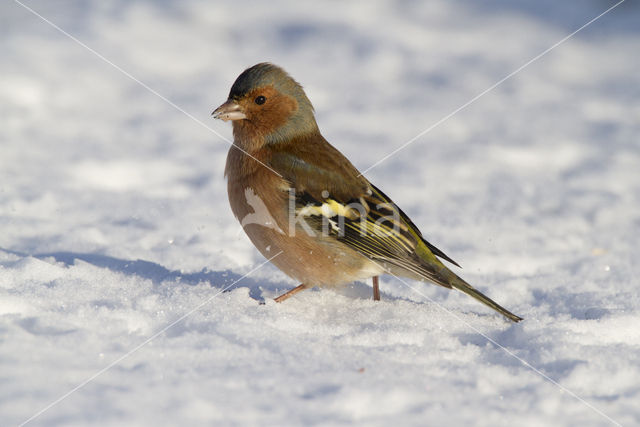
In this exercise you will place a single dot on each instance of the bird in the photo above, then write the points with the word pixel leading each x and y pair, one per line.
pixel 306 207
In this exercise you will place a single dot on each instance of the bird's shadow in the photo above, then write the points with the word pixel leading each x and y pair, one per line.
pixel 224 279
pixel 157 274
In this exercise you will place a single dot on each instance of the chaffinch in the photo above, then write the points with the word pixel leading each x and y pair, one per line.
pixel 303 204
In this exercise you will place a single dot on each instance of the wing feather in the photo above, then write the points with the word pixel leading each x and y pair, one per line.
pixel 336 199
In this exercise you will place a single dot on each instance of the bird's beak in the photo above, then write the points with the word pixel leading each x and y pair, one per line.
pixel 229 111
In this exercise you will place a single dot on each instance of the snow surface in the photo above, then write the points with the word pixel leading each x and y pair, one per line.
pixel 117 240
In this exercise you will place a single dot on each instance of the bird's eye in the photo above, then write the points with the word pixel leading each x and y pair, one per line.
pixel 260 100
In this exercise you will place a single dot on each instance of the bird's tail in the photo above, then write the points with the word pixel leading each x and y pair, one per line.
pixel 461 285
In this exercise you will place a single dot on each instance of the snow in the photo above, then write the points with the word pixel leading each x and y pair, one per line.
pixel 129 294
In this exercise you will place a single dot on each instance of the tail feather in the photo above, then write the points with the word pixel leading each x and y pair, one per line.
pixel 442 276
pixel 438 273
pixel 463 286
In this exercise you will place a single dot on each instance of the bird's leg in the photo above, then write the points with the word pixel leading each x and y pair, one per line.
pixel 292 292
pixel 376 289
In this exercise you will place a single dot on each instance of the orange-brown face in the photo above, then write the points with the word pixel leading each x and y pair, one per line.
pixel 267 107
pixel 260 111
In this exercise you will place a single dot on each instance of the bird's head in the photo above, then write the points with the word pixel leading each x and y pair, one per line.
pixel 267 104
